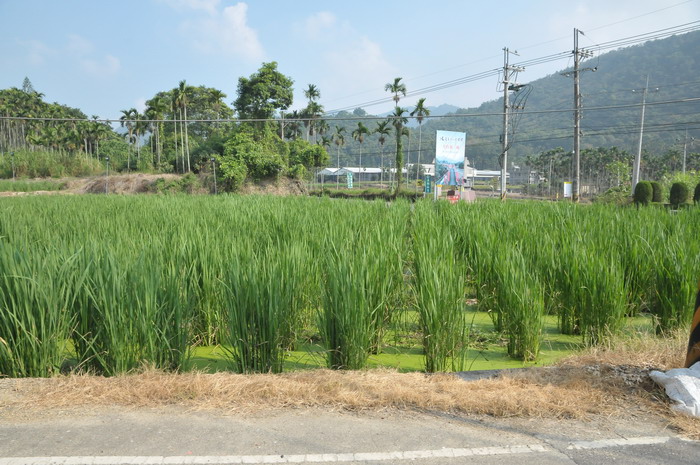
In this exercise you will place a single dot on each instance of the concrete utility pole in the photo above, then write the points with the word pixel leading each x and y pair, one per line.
pixel 508 73
pixel 638 157
pixel 578 55
pixel 685 147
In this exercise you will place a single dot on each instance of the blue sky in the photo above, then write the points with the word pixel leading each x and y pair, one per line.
pixel 105 56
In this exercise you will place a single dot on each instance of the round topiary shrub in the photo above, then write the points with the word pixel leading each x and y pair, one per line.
pixel 656 192
pixel 642 193
pixel 696 194
pixel 679 194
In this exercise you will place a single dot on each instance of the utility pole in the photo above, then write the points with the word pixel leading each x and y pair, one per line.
pixel 107 177
pixel 213 165
pixel 578 55
pixel 638 157
pixel 685 147
pixel 508 73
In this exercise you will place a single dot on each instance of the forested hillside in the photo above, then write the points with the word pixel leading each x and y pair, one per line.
pixel 187 128
pixel 672 65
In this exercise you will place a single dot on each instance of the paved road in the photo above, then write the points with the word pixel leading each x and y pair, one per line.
pixel 308 436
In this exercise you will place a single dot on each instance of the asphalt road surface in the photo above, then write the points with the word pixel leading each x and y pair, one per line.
pixel 113 436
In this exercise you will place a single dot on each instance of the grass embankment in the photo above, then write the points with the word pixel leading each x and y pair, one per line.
pixel 600 382
pixel 31 186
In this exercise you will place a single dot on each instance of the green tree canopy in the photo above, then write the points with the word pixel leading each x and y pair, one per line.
pixel 263 93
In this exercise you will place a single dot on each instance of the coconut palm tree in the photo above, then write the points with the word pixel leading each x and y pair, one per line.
pixel 396 88
pixel 398 121
pixel 383 130
pixel 420 112
pixel 359 135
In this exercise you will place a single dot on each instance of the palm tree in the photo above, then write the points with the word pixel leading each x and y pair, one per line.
pixel 173 108
pixel 339 140
pixel 312 93
pixel 140 127
pixel 156 110
pixel 359 135
pixel 313 110
pixel 216 98
pixel 182 99
pixel 396 88
pixel 127 119
pixel 398 120
pixel 292 125
pixel 383 130
pixel 420 112
pixel 325 142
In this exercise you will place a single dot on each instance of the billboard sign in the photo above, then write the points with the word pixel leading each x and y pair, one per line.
pixel 449 158
pixel 567 189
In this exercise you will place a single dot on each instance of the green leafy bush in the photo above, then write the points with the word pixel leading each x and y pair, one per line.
pixel 657 194
pixel 615 196
pixel 679 194
pixel 696 194
pixel 643 193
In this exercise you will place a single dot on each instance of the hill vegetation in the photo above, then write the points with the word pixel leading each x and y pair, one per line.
pixel 192 128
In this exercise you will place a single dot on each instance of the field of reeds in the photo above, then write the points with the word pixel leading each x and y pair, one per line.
pixel 107 284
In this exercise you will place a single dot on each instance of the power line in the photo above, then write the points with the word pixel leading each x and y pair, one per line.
pixel 348 118
pixel 631 40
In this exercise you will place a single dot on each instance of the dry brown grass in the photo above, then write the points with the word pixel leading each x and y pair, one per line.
pixel 566 393
pixel 636 350
pixel 600 382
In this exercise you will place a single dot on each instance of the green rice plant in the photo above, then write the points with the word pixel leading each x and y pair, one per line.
pixel 388 236
pixel 602 296
pixel 346 320
pixel 133 312
pixel 34 310
pixel 520 301
pixel 675 274
pixel 440 287
pixel 260 291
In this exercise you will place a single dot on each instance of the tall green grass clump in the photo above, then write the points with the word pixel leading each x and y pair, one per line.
pixel 133 311
pixel 674 273
pixel 603 298
pixel 520 302
pixel 440 288
pixel 35 318
pixel 362 271
pixel 260 290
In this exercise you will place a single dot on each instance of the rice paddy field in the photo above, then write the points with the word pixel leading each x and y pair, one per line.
pixel 108 284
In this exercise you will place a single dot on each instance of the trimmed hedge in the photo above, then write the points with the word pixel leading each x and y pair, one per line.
pixel 679 194
pixel 643 193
